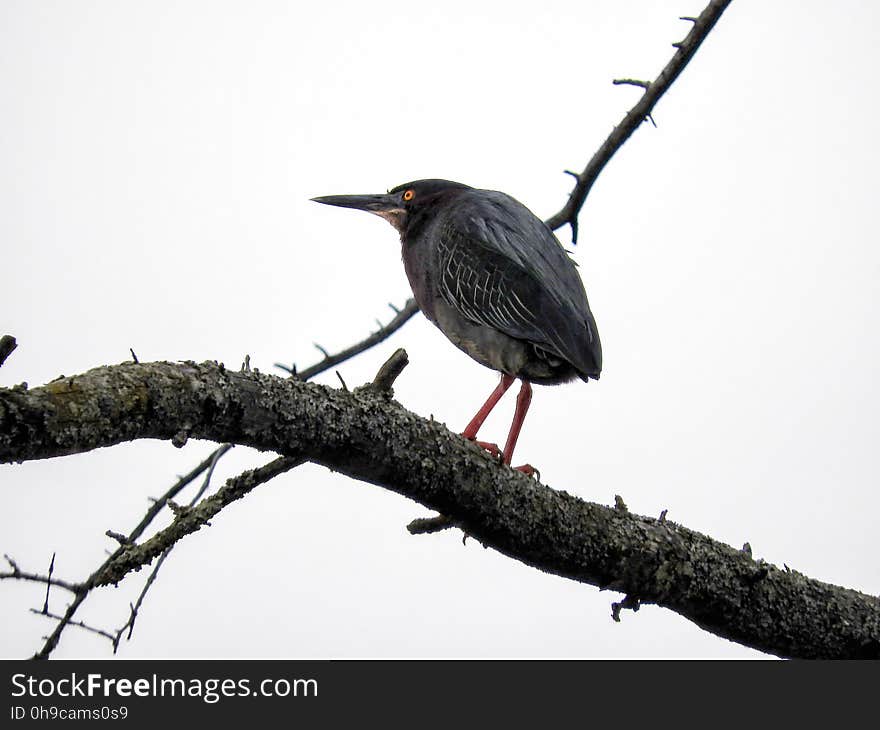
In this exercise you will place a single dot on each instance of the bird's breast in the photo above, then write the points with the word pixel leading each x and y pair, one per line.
pixel 417 263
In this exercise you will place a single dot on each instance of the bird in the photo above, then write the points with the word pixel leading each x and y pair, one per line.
pixel 495 280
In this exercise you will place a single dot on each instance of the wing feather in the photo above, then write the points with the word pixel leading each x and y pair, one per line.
pixel 502 267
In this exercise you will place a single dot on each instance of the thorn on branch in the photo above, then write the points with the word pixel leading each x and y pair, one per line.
pixel 687 17
pixel 677 45
pixel 246 365
pixel 389 372
pixel 430 525
pixel 121 539
pixel 133 356
pixel 322 351
pixel 7 345
pixel 49 584
pixel 747 549
pixel 630 602
pixel 663 515
pixel 393 308
pixel 291 371
pixel 344 386
pixel 12 564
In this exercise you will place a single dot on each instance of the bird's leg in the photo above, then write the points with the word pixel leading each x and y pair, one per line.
pixel 523 400
pixel 470 432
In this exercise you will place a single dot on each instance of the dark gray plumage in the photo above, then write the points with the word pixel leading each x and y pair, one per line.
pixel 495 280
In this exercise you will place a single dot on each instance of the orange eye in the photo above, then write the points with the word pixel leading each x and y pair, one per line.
pixel 409 195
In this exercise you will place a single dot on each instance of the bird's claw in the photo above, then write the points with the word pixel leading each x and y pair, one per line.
pixel 490 447
pixel 529 471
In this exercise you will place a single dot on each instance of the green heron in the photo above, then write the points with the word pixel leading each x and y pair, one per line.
pixel 495 280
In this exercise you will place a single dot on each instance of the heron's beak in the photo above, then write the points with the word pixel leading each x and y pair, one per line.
pixel 385 205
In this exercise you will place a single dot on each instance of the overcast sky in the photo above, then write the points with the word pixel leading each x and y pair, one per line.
pixel 156 165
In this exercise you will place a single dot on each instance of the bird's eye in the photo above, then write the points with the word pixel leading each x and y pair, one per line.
pixel 409 195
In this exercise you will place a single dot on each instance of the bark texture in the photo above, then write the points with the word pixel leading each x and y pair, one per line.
pixel 368 436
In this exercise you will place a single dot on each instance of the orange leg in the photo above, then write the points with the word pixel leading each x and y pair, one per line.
pixel 470 432
pixel 523 400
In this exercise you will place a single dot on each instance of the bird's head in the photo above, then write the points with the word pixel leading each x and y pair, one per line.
pixel 402 204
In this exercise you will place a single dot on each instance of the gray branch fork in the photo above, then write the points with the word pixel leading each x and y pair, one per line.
pixel 368 436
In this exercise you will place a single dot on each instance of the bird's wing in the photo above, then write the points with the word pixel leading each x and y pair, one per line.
pixel 500 266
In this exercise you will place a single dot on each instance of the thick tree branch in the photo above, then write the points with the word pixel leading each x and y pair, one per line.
pixel 654 90
pixel 368 436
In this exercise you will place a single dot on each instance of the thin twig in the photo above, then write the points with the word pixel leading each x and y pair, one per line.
pixel 383 333
pixel 190 520
pixel 19 574
pixel 83 589
pixel 217 455
pixel 49 584
pixel 179 485
pixel 634 118
pixel 100 632
pixel 136 607
pixel 401 317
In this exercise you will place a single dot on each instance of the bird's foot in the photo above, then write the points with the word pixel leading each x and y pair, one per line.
pixel 529 471
pixel 490 447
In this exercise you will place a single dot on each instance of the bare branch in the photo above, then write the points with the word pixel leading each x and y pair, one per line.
pixel 68 622
pixel 17 574
pixel 135 608
pixel 180 484
pixel 188 520
pixel 401 317
pixel 82 590
pixel 359 433
pixel 49 584
pixel 633 119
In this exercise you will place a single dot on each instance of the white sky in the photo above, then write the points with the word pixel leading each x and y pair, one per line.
pixel 156 161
